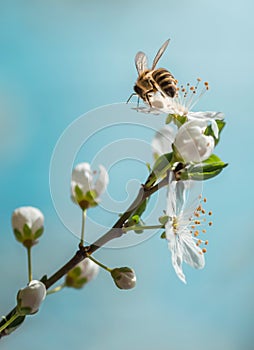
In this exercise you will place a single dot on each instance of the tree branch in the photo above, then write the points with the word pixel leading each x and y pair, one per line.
pixel 115 232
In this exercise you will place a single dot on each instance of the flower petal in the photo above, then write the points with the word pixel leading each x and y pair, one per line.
pixel 177 257
pixel 102 181
pixel 81 176
pixel 162 141
pixel 191 253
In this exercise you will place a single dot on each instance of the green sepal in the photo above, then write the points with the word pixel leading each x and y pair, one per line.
pixel 90 197
pixel 163 219
pixel 169 118
pixel 38 233
pixel 179 120
pixel 163 235
pixel 27 231
pixel 79 193
pixel 209 131
pixel 205 170
pixel 18 235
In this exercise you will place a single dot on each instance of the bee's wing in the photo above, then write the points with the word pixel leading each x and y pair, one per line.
pixel 160 53
pixel 141 62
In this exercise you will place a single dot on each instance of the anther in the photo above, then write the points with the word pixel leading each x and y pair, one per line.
pixel 210 213
pixel 203 211
pixel 205 200
pixel 204 250
pixel 204 231
pixel 196 233
pixel 210 223
pixel 206 242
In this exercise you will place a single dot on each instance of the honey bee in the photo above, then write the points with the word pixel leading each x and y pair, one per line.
pixel 153 80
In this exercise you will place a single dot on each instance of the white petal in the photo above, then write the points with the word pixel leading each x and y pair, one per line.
pixel 82 176
pixel 89 269
pixel 215 128
pixel 171 196
pixel 191 253
pixel 177 258
pixel 205 115
pixel 102 181
pixel 163 139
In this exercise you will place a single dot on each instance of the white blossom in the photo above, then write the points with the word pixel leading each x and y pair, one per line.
pixel 84 187
pixel 82 273
pixel 191 142
pixel 182 230
pixel 30 298
pixel 27 223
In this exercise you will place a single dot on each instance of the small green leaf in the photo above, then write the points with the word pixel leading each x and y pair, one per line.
pixel 209 131
pixel 163 162
pixel 136 218
pixel 209 168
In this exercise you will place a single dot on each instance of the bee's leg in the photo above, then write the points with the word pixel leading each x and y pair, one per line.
pixel 147 98
pixel 134 93
pixel 138 102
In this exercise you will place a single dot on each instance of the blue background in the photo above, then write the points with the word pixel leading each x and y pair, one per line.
pixel 59 59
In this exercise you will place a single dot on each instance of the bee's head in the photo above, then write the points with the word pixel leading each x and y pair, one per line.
pixel 138 90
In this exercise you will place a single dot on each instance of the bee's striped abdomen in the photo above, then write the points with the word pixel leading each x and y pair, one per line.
pixel 166 81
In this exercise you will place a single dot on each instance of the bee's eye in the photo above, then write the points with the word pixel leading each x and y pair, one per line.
pixel 138 90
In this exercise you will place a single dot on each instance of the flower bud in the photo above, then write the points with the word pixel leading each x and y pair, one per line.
pixel 84 190
pixel 27 224
pixel 191 144
pixel 82 273
pixel 124 277
pixel 30 298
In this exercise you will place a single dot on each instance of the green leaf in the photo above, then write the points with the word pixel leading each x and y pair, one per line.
pixel 205 170
pixel 163 162
pixel 209 131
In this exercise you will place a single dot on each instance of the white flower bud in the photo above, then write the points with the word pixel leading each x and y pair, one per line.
pixel 27 224
pixel 82 273
pixel 30 298
pixel 84 190
pixel 124 277
pixel 192 144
